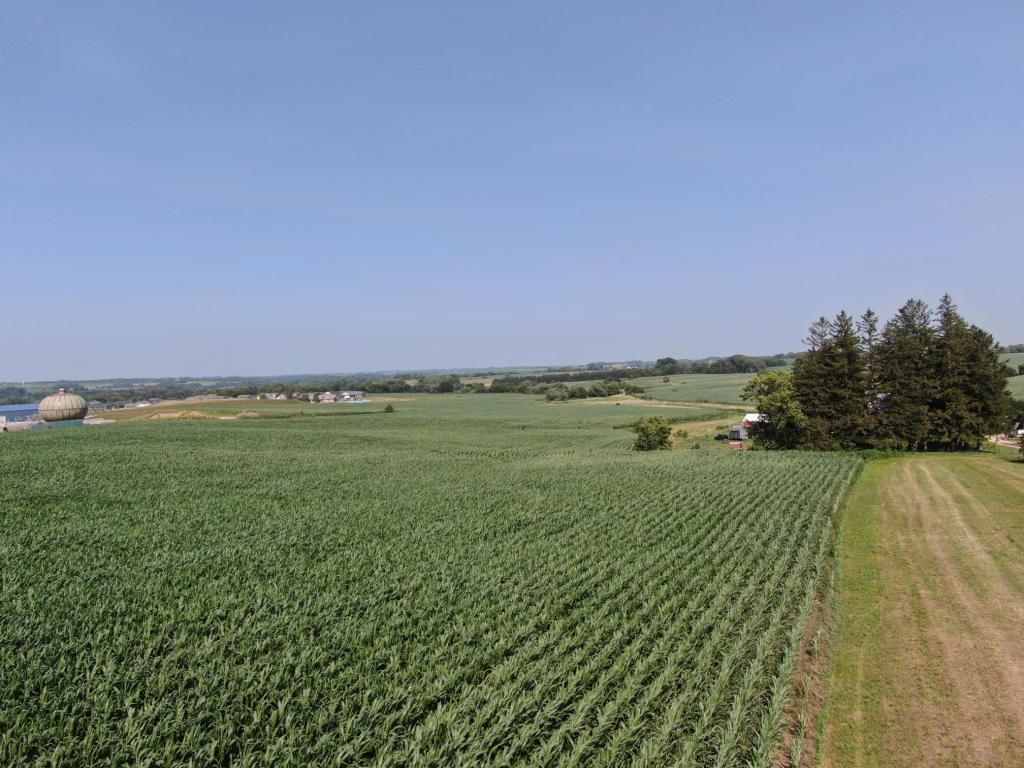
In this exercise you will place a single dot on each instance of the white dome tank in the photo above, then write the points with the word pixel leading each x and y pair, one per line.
pixel 63 406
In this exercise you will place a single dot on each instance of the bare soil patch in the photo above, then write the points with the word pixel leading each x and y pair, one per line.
pixel 180 415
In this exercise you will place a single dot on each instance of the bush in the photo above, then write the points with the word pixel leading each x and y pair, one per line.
pixel 556 392
pixel 389 408
pixel 653 434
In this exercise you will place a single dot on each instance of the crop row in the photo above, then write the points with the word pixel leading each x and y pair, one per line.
pixel 185 594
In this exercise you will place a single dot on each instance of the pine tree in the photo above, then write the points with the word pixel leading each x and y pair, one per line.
pixel 828 384
pixel 904 357
pixel 867 329
pixel 988 399
pixel 952 419
pixel 844 385
pixel 809 375
pixel 915 386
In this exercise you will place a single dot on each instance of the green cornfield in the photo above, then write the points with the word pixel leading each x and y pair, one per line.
pixel 471 580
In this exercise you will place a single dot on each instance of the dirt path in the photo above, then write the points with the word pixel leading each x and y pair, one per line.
pixel 1003 440
pixel 631 400
pixel 928 662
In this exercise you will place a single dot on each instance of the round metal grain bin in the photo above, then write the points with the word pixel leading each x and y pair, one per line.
pixel 63 406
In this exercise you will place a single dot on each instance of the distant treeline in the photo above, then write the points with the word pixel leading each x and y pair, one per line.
pixel 668 366
pixel 13 395
pixel 601 389
pixel 927 381
pixel 123 390
pixel 1012 348
pixel 428 384
pixel 665 366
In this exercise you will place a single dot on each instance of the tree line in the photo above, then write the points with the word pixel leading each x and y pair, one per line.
pixel 926 380
pixel 668 366
pixel 600 389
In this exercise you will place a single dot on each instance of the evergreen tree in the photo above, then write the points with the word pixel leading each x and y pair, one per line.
pixel 970 393
pixel 919 385
pixel 953 419
pixel 828 383
pixel 809 376
pixel 988 399
pixel 905 369
pixel 844 384
pixel 867 329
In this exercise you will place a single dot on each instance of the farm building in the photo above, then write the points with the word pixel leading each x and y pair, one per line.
pixel 349 396
pixel 749 419
pixel 738 433
pixel 24 412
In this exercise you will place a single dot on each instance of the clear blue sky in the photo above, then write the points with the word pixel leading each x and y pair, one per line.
pixel 255 188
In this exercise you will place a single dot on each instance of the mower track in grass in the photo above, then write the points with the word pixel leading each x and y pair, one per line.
pixel 928 662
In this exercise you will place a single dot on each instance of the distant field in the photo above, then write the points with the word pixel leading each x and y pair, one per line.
pixel 691 387
pixel 471 580
pixel 695 387
pixel 1017 382
pixel 1014 358
pixel 225 408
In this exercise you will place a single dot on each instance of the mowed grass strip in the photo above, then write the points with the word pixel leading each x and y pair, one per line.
pixel 927 668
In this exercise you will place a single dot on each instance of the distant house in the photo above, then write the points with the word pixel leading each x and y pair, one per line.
pixel 750 419
pixel 738 433
pixel 328 397
pixel 355 394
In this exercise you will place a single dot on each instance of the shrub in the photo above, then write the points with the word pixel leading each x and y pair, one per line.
pixel 389 408
pixel 653 434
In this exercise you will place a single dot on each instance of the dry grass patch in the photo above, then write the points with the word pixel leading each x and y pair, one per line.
pixel 928 668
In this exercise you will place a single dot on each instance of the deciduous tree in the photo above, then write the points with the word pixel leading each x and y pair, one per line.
pixel 653 434
pixel 783 423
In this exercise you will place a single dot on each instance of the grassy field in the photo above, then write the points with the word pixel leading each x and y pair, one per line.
pixel 471 580
pixel 1015 359
pixel 928 663
pixel 698 387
